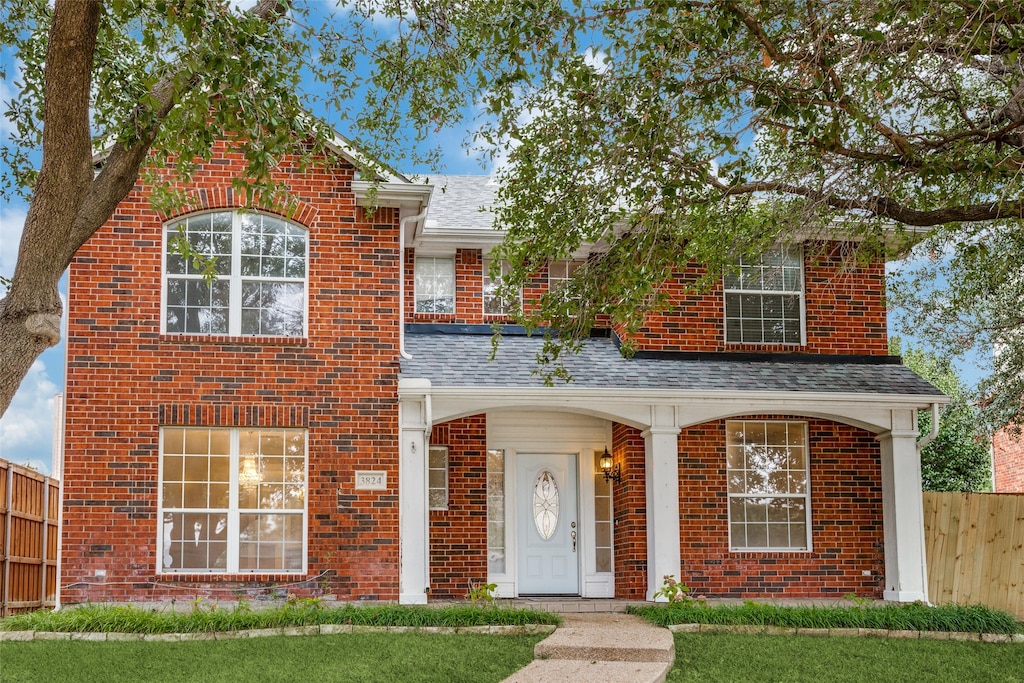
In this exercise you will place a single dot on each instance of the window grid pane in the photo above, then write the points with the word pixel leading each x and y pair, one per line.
pixel 496 512
pixel 201 525
pixel 602 517
pixel 260 276
pixel 766 463
pixel 437 477
pixel 763 300
pixel 494 304
pixel 435 285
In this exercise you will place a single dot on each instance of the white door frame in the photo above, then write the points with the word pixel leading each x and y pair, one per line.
pixel 531 432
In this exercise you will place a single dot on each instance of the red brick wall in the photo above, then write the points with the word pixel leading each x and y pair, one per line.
pixel 125 379
pixel 1008 462
pixel 629 502
pixel 844 305
pixel 458 535
pixel 846 516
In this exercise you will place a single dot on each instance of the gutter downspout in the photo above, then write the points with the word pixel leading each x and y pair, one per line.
pixel 401 281
pixel 923 443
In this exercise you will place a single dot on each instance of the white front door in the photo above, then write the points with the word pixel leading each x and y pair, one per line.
pixel 548 524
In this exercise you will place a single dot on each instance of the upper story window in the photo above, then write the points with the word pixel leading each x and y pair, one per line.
pixel 560 272
pixel 435 284
pixel 259 279
pixel 494 304
pixel 764 299
pixel 769 495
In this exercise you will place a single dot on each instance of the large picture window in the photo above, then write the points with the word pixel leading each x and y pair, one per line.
pixel 764 299
pixel 769 496
pixel 232 500
pixel 435 285
pixel 258 284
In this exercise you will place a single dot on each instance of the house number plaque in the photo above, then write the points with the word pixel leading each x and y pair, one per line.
pixel 371 480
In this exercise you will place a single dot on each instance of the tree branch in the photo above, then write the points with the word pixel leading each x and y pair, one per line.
pixel 884 207
pixel 123 162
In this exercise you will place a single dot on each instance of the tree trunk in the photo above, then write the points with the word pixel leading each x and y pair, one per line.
pixel 30 313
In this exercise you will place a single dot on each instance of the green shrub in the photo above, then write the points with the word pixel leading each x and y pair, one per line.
pixel 895 617
pixel 202 619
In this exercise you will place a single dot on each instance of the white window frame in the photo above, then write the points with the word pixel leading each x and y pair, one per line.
pixel 489 286
pixel 740 290
pixel 423 298
pixel 232 512
pixel 730 427
pixel 439 491
pixel 497 552
pixel 234 277
pixel 566 269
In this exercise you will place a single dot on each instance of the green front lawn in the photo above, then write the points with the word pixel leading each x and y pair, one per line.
pixel 352 658
pixel 737 658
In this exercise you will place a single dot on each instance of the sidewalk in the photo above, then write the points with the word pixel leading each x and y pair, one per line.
pixel 607 647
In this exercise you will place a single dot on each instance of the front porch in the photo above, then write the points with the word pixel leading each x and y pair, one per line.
pixel 664 422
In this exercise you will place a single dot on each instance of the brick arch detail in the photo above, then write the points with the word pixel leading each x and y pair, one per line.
pixel 226 197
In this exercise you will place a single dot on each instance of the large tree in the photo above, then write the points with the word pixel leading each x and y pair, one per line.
pixel 959 458
pixel 675 131
pixel 126 78
pixel 663 132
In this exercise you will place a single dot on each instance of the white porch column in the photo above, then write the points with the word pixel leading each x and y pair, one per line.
pixel 413 519
pixel 906 571
pixel 661 451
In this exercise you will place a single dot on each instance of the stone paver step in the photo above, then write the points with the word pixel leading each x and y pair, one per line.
pixel 566 670
pixel 610 647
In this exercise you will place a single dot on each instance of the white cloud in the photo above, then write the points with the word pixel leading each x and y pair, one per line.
pixel 26 429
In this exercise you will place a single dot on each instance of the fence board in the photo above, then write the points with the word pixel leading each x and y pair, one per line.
pixel 29 535
pixel 974 544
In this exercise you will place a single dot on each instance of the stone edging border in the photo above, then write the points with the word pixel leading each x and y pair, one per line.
pixel 848 632
pixel 315 630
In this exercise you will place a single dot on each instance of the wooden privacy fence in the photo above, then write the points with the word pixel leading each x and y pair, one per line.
pixel 974 543
pixel 29 536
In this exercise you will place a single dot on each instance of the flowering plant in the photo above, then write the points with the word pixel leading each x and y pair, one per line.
pixel 673 590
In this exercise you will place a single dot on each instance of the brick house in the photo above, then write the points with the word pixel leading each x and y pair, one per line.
pixel 1007 462
pixel 323 418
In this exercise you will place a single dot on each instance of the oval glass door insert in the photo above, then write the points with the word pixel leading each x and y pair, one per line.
pixel 545 504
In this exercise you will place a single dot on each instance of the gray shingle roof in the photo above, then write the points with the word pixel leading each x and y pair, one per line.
pixel 461 360
pixel 457 201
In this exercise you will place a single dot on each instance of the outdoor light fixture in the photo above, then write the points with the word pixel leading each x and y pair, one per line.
pixel 611 472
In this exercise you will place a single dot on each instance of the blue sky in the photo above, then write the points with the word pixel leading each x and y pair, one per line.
pixel 26 430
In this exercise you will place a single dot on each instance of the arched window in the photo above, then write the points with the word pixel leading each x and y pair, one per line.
pixel 258 285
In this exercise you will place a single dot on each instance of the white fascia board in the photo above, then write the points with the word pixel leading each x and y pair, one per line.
pixel 634 406
pixel 398 194
pixel 344 147
pixel 450 240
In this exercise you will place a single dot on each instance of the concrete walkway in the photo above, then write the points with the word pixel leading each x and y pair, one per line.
pixel 607 647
